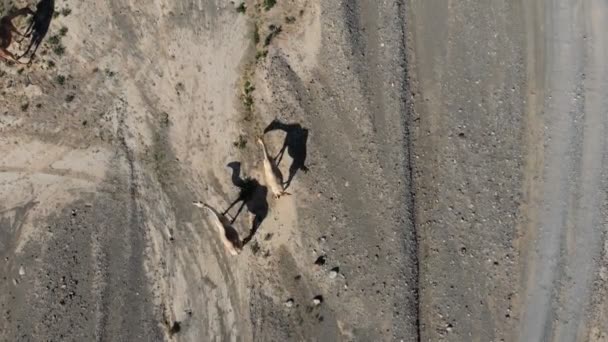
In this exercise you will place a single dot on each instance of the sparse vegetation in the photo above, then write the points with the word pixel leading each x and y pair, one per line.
pixel 109 73
pixel 274 31
pixel 66 11
pixel 63 31
pixel 59 50
pixel 268 4
pixel 60 79
pixel 255 247
pixel 50 64
pixel 256 34
pixel 242 8
pixel 164 119
pixel 248 89
pixel 69 98
pixel 290 19
pixel 25 106
pixel 261 54
pixel 54 40
pixel 180 88
pixel 241 142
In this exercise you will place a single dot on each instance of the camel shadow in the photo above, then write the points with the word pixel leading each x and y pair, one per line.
pixel 295 143
pixel 252 195
pixel 39 26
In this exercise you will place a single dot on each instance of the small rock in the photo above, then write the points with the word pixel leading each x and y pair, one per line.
pixel 334 273
pixel 289 303
pixel 21 271
pixel 320 261
pixel 317 300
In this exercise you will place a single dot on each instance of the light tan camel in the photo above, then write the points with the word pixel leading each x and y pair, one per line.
pixel 272 174
pixel 228 235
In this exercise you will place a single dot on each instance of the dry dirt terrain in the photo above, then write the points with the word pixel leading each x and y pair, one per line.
pixel 444 159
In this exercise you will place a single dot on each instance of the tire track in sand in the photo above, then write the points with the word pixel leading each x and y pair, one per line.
pixel 563 261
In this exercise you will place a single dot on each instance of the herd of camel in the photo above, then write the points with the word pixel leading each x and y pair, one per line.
pixel 36 30
pixel 227 233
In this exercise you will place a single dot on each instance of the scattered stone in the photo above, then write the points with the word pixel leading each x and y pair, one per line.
pixel 334 272
pixel 21 271
pixel 320 260
pixel 449 327
pixel 317 300
pixel 175 328
pixel 289 303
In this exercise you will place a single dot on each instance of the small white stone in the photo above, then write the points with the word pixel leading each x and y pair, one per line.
pixel 333 274
pixel 289 303
pixel 316 301
pixel 21 271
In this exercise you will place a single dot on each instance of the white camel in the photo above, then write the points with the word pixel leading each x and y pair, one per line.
pixel 272 174
pixel 228 235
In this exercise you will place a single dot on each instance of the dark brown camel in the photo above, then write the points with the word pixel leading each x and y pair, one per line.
pixel 7 28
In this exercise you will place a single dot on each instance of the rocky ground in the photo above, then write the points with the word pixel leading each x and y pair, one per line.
pixel 445 163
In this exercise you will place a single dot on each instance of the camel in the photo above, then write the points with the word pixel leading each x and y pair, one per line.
pixel 272 174
pixel 6 33
pixel 228 235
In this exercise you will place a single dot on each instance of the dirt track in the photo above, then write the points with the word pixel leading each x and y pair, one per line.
pixel 445 159
pixel 510 186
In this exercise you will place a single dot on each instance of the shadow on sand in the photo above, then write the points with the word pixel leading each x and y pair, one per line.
pixel 295 143
pixel 252 195
pixel 39 27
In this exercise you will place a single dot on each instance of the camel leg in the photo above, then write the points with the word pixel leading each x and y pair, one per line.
pixel 14 30
pixel 7 55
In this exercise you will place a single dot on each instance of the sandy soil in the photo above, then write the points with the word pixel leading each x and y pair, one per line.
pixel 445 162
pixel 154 105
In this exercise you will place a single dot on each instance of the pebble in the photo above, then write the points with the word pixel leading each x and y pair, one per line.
pixel 320 261
pixel 21 271
pixel 289 303
pixel 334 273
pixel 317 300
